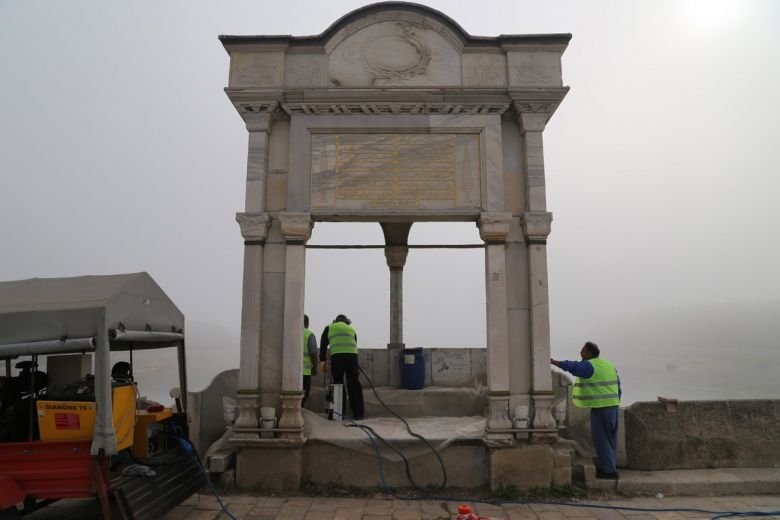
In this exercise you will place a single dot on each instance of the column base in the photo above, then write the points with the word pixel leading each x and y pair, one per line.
pixel 248 405
pixel 498 419
pixel 543 418
pixel 292 418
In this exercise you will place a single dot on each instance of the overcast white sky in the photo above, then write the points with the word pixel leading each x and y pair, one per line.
pixel 119 152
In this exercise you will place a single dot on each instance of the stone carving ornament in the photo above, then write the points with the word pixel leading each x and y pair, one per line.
pixel 397 53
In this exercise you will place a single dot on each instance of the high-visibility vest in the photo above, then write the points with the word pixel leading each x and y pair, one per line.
pixel 342 338
pixel 599 390
pixel 306 355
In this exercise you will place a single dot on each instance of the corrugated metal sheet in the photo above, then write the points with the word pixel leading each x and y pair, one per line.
pixel 149 498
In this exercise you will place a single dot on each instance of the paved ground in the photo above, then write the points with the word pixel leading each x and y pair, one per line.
pixel 202 507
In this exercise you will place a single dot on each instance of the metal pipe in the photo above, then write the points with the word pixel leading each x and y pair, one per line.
pixel 523 430
pixel 143 335
pixel 418 246
pixel 260 430
pixel 50 346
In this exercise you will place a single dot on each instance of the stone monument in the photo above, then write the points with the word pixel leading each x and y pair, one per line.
pixel 394 115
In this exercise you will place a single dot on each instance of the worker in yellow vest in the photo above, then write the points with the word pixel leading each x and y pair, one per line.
pixel 310 360
pixel 342 340
pixel 597 387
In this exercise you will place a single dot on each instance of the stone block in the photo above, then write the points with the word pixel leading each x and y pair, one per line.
pixel 703 434
pixel 562 475
pixel 525 467
pixel 269 468
pixel 562 458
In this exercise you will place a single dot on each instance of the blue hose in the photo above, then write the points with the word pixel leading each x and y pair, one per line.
pixel 186 445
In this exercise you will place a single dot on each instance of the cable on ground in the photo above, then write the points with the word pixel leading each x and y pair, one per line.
pixel 715 515
pixel 185 445
pixel 412 433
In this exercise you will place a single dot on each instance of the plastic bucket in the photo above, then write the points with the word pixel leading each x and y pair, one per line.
pixel 412 362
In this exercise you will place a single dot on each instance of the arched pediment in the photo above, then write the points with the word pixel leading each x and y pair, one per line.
pixel 417 15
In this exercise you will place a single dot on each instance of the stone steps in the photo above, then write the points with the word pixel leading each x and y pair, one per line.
pixel 723 481
pixel 701 482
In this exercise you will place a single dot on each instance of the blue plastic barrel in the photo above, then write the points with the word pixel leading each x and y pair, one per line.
pixel 412 362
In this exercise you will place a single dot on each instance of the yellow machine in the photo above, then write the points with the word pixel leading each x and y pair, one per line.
pixel 70 414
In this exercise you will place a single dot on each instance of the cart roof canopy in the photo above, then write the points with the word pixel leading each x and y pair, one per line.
pixel 41 309
pixel 97 313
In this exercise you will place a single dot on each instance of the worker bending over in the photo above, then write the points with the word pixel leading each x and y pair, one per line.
pixel 342 340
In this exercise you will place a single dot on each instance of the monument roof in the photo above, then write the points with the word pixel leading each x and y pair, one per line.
pixel 410 7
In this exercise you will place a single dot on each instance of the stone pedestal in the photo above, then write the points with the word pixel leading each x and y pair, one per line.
pixel 524 466
pixel 261 468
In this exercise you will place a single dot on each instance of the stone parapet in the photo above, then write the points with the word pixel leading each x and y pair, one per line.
pixel 703 434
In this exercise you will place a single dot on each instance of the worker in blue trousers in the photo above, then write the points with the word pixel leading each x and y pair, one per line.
pixel 597 387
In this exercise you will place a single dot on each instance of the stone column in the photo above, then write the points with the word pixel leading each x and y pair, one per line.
pixel 396 259
pixel 493 229
pixel 254 229
pixel 297 230
pixel 536 228
pixel 536 223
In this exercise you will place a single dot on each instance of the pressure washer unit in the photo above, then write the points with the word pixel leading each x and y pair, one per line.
pixel 333 401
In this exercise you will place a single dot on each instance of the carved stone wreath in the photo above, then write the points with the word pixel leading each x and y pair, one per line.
pixel 411 55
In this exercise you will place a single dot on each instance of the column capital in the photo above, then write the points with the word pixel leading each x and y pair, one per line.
pixel 536 225
pixel 494 227
pixel 532 122
pixel 396 256
pixel 254 226
pixel 296 227
pixel 262 117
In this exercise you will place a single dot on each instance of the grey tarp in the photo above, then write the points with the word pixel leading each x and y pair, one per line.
pixel 41 309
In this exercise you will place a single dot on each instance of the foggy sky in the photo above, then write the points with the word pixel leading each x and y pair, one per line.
pixel 119 152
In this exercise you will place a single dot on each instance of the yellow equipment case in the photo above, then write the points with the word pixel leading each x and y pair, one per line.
pixel 67 412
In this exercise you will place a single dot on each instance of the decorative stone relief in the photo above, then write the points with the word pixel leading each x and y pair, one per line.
pixel 387 108
pixel 305 70
pixel 494 226
pixel 484 70
pixel 394 53
pixel 395 171
pixel 256 69
pixel 254 226
pixel 537 68
pixel 296 226
pixel 536 224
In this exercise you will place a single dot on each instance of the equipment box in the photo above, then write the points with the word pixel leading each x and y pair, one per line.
pixel 67 413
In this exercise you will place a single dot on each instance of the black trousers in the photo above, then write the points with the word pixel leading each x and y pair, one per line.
pixel 347 365
pixel 306 389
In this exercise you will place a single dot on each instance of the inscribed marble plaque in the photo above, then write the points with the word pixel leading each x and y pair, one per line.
pixel 395 171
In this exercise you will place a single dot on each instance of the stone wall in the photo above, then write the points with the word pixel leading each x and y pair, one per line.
pixel 443 366
pixel 703 434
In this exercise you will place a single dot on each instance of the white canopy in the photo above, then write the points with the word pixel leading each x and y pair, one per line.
pixel 113 312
